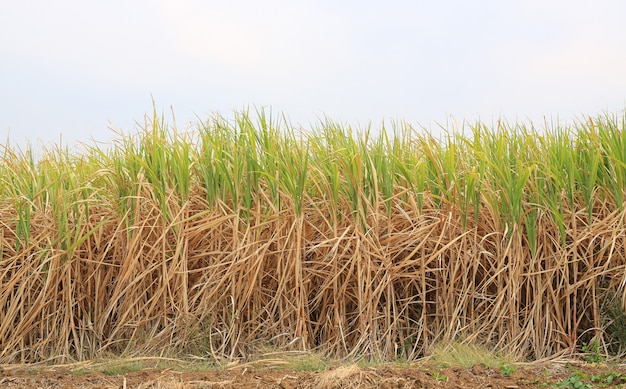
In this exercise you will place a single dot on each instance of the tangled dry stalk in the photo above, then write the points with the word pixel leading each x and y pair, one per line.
pixel 252 236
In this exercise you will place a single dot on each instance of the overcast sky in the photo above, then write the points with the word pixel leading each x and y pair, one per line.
pixel 78 68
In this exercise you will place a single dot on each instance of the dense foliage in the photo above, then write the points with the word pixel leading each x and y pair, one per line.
pixel 247 233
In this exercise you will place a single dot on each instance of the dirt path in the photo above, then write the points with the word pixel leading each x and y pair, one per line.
pixel 594 376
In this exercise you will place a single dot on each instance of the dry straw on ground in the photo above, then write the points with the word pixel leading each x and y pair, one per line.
pixel 247 234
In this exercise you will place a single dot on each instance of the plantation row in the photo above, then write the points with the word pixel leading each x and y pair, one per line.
pixel 246 235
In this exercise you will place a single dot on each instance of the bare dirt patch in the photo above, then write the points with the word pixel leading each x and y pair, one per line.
pixel 346 376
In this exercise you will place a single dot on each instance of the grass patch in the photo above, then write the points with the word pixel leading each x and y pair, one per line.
pixel 308 362
pixel 267 358
pixel 466 356
pixel 119 366
pixel 122 368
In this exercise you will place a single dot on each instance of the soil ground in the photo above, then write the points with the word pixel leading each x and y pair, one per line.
pixel 345 376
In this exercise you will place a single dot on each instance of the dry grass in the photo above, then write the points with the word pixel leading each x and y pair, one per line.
pixel 251 236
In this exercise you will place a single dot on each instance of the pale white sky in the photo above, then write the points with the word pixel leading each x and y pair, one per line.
pixel 76 67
